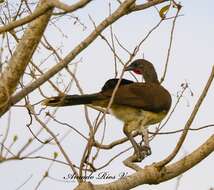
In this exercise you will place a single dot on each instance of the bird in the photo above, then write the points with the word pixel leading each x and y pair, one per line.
pixel 137 104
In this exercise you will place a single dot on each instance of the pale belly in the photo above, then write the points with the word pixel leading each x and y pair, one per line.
pixel 135 118
pixel 125 113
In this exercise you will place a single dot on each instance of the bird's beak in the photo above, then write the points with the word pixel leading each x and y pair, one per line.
pixel 129 68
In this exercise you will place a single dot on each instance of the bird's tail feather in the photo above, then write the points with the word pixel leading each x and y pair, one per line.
pixel 69 100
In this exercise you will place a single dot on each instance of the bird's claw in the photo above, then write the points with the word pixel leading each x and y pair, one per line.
pixel 146 149
pixel 142 152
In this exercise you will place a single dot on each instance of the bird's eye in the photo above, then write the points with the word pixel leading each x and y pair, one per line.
pixel 135 64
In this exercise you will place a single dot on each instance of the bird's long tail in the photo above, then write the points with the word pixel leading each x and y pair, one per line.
pixel 70 100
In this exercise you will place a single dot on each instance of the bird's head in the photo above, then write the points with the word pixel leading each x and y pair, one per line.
pixel 144 68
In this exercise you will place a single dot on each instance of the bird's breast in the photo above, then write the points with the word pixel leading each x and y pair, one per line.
pixel 125 113
pixel 130 115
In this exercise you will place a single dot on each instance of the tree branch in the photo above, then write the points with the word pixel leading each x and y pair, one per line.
pixel 189 122
pixel 38 12
pixel 42 10
pixel 67 8
pixel 151 174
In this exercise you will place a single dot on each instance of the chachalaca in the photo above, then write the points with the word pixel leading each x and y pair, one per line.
pixel 137 104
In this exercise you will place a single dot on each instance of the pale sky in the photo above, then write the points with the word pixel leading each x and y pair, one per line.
pixel 191 60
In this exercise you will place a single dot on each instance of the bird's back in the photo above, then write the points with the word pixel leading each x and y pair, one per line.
pixel 147 96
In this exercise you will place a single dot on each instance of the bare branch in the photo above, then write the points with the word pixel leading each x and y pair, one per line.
pixel 42 10
pixel 69 8
pixel 170 44
pixel 38 12
pixel 152 175
pixel 56 140
pixel 188 123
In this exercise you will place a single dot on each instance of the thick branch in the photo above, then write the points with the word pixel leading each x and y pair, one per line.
pixel 151 174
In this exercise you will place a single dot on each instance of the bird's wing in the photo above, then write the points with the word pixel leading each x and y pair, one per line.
pixel 147 96
pixel 111 83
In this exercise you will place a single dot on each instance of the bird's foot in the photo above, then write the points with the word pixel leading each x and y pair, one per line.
pixel 141 152
pixel 138 156
pixel 146 149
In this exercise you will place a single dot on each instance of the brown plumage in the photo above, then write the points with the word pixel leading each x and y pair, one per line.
pixel 136 104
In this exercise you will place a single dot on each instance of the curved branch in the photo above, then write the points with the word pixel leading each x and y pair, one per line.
pixel 69 8
pixel 152 175
pixel 125 139
pixel 189 122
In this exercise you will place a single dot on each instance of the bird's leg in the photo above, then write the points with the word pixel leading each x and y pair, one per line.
pixel 146 146
pixel 137 149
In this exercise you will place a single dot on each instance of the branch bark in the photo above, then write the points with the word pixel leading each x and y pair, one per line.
pixel 152 175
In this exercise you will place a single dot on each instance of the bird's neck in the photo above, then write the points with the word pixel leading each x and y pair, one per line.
pixel 151 77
